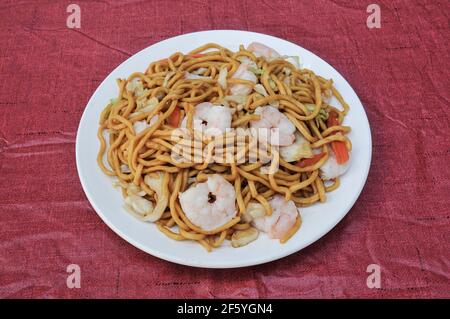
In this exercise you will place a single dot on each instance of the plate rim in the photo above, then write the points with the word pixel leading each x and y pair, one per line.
pixel 225 265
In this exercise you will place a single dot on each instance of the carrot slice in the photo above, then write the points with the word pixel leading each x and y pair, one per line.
pixel 174 118
pixel 333 119
pixel 305 162
pixel 338 147
pixel 340 150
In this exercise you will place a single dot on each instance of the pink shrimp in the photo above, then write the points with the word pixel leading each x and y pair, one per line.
pixel 259 49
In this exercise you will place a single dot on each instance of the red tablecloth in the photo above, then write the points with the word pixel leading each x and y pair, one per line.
pixel 400 222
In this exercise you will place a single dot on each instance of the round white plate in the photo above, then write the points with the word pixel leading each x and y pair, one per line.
pixel 317 219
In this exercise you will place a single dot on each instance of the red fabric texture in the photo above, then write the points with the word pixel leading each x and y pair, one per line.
pixel 400 222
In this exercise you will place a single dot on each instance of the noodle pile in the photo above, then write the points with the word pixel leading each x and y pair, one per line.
pixel 141 157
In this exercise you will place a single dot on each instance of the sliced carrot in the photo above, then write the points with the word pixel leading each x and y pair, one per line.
pixel 174 118
pixel 333 119
pixel 305 162
pixel 340 150
pixel 338 147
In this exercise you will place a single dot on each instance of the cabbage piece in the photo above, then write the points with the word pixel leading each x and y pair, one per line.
pixel 222 79
pixel 192 76
pixel 140 126
pixel 272 84
pixel 294 59
pixel 136 87
pixel 275 103
pixel 323 114
pixel 138 205
pixel 301 148
pixel 251 65
pixel 239 99
pixel 130 188
pixel 259 88
pixel 167 78
pixel 144 106
pixel 125 168
pixel 253 210
pixel 199 71
pixel 256 70
pixel 310 107
pixel 244 237
pixel 243 59
pixel 158 182
pixel 114 100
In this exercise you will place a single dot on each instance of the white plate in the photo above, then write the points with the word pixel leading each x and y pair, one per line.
pixel 317 220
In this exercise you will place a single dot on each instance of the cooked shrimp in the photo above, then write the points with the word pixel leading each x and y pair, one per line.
pixel 243 73
pixel 284 215
pixel 211 204
pixel 331 169
pixel 211 119
pixel 259 49
pixel 275 123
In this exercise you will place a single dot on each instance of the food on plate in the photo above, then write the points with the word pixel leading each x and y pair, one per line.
pixel 217 145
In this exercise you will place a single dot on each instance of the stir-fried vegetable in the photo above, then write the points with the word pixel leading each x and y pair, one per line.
pixel 305 162
pixel 338 147
pixel 222 79
pixel 174 118
pixel 296 151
